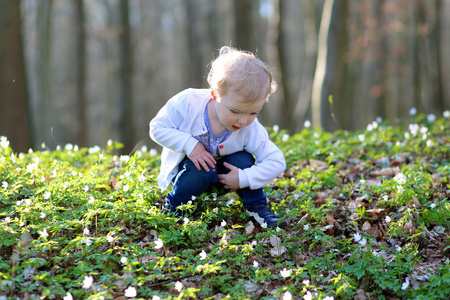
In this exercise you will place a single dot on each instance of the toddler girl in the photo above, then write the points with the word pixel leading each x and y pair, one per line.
pixel 212 138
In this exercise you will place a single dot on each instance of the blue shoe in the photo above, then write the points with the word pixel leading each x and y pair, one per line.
pixel 265 217
pixel 171 211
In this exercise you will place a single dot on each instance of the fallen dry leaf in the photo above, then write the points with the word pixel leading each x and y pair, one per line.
pixel 277 251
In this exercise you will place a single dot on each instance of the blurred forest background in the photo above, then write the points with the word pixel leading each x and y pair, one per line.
pixel 85 71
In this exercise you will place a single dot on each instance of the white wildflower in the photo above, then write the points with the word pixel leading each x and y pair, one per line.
pixel 363 242
pixel 43 233
pixel 400 178
pixel 361 138
pixel 223 223
pixel 91 199
pixel 285 273
pixel 47 195
pixel 124 260
pixel 110 239
pixel 178 286
pixel 431 118
pixel 287 296
pixel 186 221
pixel 275 128
pixel 203 255
pixel 43 215
pixel 414 129
pixel 94 149
pixel 153 152
pixel 130 292
pixel 405 284
pixel 307 124
pixel 357 237
pixel 446 114
pixel 156 298
pixel 307 296
pixel 255 264
pixel 285 137
pixel 412 111
pixel 87 282
pixel 388 219
pixel 4 143
pixel 4 184
pixel 126 187
pixel 264 225
pixel 159 244
pixel 86 231
pixel 68 296
pixel 124 158
pixel 142 177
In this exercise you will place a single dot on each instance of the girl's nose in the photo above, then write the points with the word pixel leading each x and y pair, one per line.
pixel 243 121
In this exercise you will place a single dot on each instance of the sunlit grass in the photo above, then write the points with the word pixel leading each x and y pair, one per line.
pixel 367 215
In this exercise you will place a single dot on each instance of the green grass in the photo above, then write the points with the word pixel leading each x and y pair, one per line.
pixel 367 211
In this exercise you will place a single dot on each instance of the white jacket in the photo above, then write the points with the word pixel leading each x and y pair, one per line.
pixel 182 118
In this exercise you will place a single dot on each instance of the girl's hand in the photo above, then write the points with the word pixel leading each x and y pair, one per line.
pixel 230 180
pixel 202 158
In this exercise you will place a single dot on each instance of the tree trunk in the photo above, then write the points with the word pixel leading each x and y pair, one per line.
pixel 80 64
pixel 13 96
pixel 194 63
pixel 43 85
pixel 304 97
pixel 243 24
pixel 126 126
pixel 327 61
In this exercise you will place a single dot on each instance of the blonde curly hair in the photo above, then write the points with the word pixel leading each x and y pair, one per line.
pixel 241 73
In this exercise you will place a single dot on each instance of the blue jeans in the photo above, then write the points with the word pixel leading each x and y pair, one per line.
pixel 192 182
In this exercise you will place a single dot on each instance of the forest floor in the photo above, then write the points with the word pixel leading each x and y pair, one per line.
pixel 368 217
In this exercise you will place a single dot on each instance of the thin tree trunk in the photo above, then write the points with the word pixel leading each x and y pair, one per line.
pixel 195 62
pixel 126 125
pixel 275 109
pixel 243 24
pixel 320 91
pixel 13 97
pixel 43 71
pixel 304 96
pixel 80 64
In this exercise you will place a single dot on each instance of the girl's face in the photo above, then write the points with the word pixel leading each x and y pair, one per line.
pixel 233 113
